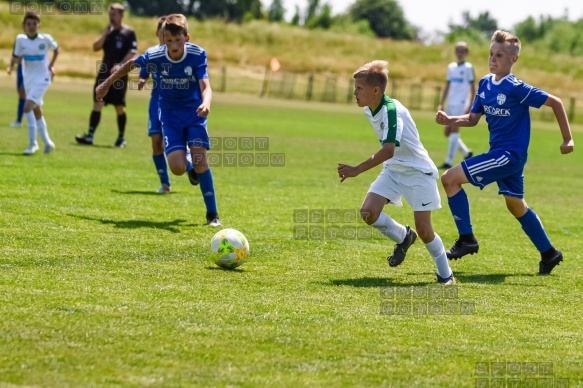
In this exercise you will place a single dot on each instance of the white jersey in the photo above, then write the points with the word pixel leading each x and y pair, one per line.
pixel 35 52
pixel 460 76
pixel 393 123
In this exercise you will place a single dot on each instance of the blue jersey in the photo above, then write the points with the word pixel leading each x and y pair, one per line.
pixel 506 105
pixel 145 73
pixel 178 80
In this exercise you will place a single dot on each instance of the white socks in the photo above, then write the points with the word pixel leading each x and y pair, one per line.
pixel 393 230
pixel 437 252
pixel 31 121
pixel 41 125
pixel 455 142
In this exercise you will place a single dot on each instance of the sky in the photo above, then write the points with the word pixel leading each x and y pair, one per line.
pixel 422 13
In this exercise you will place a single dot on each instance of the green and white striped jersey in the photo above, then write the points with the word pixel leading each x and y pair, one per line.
pixel 393 123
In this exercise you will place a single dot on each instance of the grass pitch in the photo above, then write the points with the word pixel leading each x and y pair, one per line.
pixel 104 283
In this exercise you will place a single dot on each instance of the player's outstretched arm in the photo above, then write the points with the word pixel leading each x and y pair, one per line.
pixel 385 153
pixel 467 120
pixel 102 88
pixel 559 110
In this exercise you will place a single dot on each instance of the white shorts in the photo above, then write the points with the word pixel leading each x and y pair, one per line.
pixel 420 190
pixel 455 110
pixel 36 92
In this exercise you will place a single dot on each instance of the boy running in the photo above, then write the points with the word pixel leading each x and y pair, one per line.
pixel 505 100
pixel 407 171
pixel 184 103
pixel 38 72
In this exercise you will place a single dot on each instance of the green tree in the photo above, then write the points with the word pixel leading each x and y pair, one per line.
pixel 484 23
pixel 276 11
pixel 385 18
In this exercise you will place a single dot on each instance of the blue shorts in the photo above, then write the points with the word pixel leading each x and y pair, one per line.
pixel 182 127
pixel 154 124
pixel 19 77
pixel 503 167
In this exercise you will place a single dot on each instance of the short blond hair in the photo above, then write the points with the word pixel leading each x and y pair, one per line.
pixel 375 73
pixel 176 24
pixel 510 41
pixel 118 7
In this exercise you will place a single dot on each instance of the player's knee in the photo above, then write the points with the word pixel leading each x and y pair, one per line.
pixel 425 233
pixel 177 168
pixel 447 179
pixel 369 216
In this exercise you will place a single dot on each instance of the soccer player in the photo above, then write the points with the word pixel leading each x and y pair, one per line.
pixel 155 126
pixel 38 72
pixel 505 100
pixel 408 171
pixel 459 88
pixel 21 96
pixel 119 44
pixel 184 103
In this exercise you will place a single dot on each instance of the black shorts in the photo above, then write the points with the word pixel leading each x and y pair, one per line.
pixel 117 92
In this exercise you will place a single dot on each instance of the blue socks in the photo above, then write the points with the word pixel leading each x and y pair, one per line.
pixel 21 102
pixel 207 188
pixel 460 209
pixel 534 229
pixel 161 168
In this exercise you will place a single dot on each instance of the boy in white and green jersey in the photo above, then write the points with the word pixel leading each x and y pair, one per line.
pixel 408 171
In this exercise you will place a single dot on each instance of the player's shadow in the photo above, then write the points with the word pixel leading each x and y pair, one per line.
pixel 108 147
pixel 217 268
pixel 171 226
pixel 491 278
pixel 369 282
pixel 139 192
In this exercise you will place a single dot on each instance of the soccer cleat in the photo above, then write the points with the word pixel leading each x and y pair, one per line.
pixel 401 249
pixel 445 166
pixel 16 124
pixel 192 177
pixel 48 148
pixel 546 266
pixel 469 155
pixel 446 281
pixel 120 142
pixel 461 248
pixel 212 219
pixel 31 149
pixel 84 139
pixel 165 189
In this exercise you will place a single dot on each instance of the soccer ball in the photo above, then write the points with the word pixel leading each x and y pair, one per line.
pixel 229 248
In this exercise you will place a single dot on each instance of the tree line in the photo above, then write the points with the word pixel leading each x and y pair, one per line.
pixel 380 18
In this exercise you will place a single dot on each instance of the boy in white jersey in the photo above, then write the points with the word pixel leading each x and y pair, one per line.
pixel 459 88
pixel 34 47
pixel 407 171
pixel 505 100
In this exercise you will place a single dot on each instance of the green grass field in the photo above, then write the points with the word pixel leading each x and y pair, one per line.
pixel 103 283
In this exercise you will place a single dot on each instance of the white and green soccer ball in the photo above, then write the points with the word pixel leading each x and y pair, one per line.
pixel 229 248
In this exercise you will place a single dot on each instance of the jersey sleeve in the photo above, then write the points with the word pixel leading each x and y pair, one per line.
pixel 133 42
pixel 142 62
pixel 52 42
pixel 17 52
pixel 477 106
pixel 471 74
pixel 201 70
pixel 530 95
pixel 390 131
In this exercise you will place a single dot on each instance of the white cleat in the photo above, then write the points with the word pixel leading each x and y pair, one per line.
pixel 165 189
pixel 48 148
pixel 31 149
pixel 16 124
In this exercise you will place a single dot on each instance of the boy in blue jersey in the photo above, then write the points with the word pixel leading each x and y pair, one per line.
pixel 184 103
pixel 155 126
pixel 505 100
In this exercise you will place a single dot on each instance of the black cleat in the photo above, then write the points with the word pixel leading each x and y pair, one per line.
pixel 445 166
pixel 192 177
pixel 546 266
pixel 84 139
pixel 212 219
pixel 401 249
pixel 120 142
pixel 461 248
pixel 469 155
